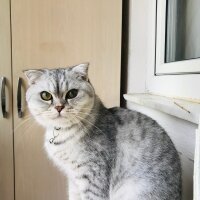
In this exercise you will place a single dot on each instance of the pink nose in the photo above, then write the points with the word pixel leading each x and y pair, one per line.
pixel 59 108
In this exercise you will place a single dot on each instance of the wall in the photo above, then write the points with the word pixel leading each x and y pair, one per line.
pixel 137 47
pixel 181 132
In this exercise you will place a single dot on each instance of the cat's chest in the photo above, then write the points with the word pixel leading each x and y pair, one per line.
pixel 62 153
pixel 59 143
pixel 66 155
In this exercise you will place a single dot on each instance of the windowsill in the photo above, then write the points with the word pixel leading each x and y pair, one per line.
pixel 183 109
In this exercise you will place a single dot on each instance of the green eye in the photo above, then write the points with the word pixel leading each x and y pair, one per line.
pixel 71 94
pixel 46 96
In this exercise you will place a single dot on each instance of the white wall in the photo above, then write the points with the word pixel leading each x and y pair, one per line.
pixel 137 49
pixel 181 131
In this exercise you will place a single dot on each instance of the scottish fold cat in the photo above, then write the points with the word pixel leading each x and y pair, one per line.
pixel 107 154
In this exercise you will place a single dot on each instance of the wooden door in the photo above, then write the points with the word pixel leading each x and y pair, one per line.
pixel 58 33
pixel 6 132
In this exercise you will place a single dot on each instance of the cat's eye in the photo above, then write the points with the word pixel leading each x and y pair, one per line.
pixel 46 96
pixel 71 94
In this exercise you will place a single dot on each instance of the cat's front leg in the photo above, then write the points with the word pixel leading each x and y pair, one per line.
pixel 90 194
pixel 73 191
pixel 91 190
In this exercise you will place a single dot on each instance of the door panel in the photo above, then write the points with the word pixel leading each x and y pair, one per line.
pixel 59 33
pixel 6 133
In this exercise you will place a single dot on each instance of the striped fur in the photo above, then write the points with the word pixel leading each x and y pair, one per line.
pixel 107 154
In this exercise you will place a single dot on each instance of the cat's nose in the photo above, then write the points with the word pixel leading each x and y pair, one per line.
pixel 59 108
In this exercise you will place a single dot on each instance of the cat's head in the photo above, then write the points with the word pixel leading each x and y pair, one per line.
pixel 60 97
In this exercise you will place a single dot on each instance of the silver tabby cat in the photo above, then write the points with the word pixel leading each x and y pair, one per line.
pixel 107 154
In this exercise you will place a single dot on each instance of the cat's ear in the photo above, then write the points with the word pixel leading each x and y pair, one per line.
pixel 33 74
pixel 82 70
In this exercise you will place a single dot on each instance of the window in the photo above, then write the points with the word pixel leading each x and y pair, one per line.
pixel 177 79
pixel 178 37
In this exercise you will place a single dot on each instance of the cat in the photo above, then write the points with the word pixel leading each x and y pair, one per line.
pixel 107 154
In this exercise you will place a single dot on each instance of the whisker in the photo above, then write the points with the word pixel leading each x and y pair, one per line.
pixel 84 113
pixel 22 123
pixel 90 123
pixel 33 123
pixel 25 120
pixel 94 142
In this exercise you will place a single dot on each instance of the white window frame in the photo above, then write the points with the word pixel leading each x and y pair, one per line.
pixel 178 83
pixel 191 66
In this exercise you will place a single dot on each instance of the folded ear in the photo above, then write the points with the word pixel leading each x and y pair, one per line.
pixel 33 74
pixel 82 70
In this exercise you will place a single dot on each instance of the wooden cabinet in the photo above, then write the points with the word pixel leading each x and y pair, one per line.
pixel 50 34
pixel 6 122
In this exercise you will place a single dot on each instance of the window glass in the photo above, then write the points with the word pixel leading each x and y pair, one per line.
pixel 182 30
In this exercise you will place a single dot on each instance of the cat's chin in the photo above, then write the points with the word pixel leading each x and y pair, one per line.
pixel 58 121
pixel 61 122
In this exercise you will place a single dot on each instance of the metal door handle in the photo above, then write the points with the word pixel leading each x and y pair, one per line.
pixel 19 98
pixel 3 97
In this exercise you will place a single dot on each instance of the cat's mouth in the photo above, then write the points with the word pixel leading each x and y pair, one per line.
pixel 60 116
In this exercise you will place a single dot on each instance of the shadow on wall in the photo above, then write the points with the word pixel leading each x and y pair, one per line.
pixel 124 50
